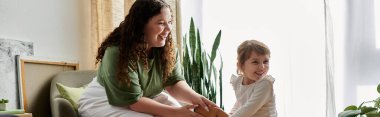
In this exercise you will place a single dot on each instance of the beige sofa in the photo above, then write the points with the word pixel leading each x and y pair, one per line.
pixel 61 107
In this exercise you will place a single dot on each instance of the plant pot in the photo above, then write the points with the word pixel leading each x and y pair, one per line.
pixel 2 106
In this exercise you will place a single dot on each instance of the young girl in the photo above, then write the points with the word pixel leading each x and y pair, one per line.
pixel 253 87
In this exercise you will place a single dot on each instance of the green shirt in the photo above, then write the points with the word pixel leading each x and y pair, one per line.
pixel 146 83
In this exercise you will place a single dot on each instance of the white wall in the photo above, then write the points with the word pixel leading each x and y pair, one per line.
pixel 59 29
pixel 190 8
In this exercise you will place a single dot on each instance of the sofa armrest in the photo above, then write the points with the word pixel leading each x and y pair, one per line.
pixel 63 108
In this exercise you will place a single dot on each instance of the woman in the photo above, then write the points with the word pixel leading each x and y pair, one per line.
pixel 137 62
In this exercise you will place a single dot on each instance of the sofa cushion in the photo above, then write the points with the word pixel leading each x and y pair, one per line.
pixel 72 94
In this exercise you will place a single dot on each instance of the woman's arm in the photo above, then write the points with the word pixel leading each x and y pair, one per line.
pixel 147 105
pixel 182 92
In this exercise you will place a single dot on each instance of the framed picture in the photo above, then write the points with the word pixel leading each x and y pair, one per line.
pixel 34 76
pixel 8 78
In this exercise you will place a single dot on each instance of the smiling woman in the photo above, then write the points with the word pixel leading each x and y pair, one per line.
pixel 138 60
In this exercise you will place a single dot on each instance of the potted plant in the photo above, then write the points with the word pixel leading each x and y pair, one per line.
pixel 3 103
pixel 365 109
pixel 199 69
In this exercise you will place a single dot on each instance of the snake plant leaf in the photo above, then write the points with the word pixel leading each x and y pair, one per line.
pixel 215 46
pixel 192 36
pixel 198 65
pixel 220 83
pixel 215 74
pixel 199 48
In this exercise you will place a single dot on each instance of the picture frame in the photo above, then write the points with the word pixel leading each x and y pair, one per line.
pixel 34 76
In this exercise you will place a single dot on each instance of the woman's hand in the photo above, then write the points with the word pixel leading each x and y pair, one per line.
pixel 213 112
pixel 182 92
pixel 149 106
pixel 200 100
pixel 184 111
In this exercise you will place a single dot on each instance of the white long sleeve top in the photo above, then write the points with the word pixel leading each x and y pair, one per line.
pixel 254 100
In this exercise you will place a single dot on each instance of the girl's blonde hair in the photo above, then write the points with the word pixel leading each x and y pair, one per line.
pixel 247 47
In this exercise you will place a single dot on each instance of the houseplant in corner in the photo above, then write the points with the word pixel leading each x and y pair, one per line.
pixel 199 69
pixel 365 109
pixel 3 103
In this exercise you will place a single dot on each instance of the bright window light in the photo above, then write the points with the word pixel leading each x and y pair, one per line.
pixel 377 23
pixel 366 93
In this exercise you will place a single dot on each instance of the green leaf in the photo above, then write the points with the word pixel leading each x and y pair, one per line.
pixel 377 102
pixel 198 65
pixel 373 115
pixel 351 107
pixel 215 46
pixel 365 109
pixel 220 83
pixel 360 106
pixel 3 101
pixel 199 49
pixel 192 37
pixel 349 113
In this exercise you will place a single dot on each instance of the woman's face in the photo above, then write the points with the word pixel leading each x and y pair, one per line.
pixel 158 28
pixel 255 67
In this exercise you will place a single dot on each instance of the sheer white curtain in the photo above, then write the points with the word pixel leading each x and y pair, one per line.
pixel 356 53
pixel 294 30
pixel 330 63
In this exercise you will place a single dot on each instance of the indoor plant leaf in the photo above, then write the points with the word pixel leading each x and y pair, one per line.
pixel 351 107
pixel 215 46
pixel 349 113
pixel 200 72
pixel 365 109
pixel 377 102
pixel 373 115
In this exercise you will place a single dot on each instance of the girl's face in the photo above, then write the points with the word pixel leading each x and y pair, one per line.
pixel 158 28
pixel 255 67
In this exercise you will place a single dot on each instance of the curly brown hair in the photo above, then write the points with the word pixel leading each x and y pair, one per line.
pixel 129 37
